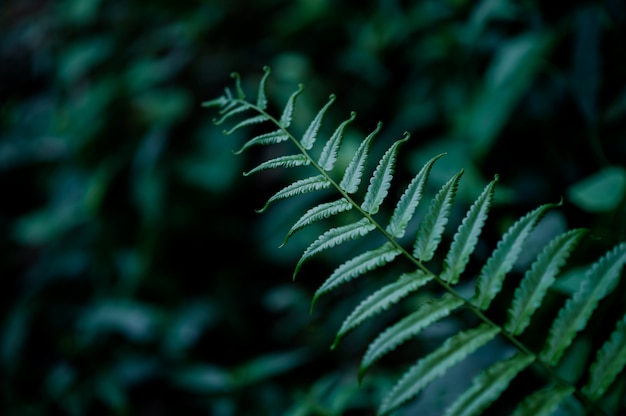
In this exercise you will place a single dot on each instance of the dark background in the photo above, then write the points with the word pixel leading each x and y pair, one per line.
pixel 136 278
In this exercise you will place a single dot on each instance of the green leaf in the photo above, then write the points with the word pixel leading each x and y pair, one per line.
pixel 319 212
pixel 354 171
pixel 504 256
pixel 600 192
pixel 240 93
pixel 285 118
pixel 408 327
pixel 599 281
pixel 466 237
pixel 433 224
pixel 488 386
pixel 233 108
pixel 311 132
pixel 543 402
pixel 427 369
pixel 409 200
pixel 261 101
pixel 609 362
pixel 288 161
pixel 542 273
pixel 314 183
pixel 357 266
pixel 328 157
pixel 381 300
pixel 381 179
pixel 335 236
pixel 247 122
pixel 273 137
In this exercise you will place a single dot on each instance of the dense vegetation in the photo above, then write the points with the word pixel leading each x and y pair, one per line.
pixel 137 279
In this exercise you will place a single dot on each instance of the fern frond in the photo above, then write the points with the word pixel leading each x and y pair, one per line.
pixel 488 386
pixel 409 326
pixel 319 212
pixel 352 176
pixel 504 257
pixel 601 278
pixel 310 135
pixel 381 300
pixel 314 183
pixel 409 200
pixel 432 226
pixel 381 179
pixel 599 281
pixel 335 236
pixel 357 266
pixel 286 116
pixel 273 137
pixel 288 161
pixel 466 237
pixel 609 362
pixel 328 157
pixel 453 350
pixel 542 273
pixel 543 402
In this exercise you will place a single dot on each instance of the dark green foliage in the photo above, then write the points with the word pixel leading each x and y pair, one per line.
pixel 601 277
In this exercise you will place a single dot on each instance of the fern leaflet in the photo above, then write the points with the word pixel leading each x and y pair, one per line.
pixel 382 299
pixel 452 351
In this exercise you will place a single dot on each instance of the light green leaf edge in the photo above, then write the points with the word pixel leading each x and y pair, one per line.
pixel 599 281
pixel 542 273
pixel 261 100
pixel 310 135
pixel 489 385
pixel 609 362
pixel 381 300
pixel 288 161
pixel 354 171
pixel 328 157
pixel 427 369
pixel 357 266
pixel 504 257
pixel 318 212
pixel 466 237
pixel 381 179
pixel 287 114
pixel 409 200
pixel 272 137
pixel 433 224
pixel 247 122
pixel 543 402
pixel 407 327
pixel 333 237
pixel 314 183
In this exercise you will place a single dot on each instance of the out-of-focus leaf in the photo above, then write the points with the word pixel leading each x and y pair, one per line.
pixel 79 58
pixel 138 322
pixel 600 192
pixel 508 77
pixel 269 365
pixel 204 378
pixel 163 106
